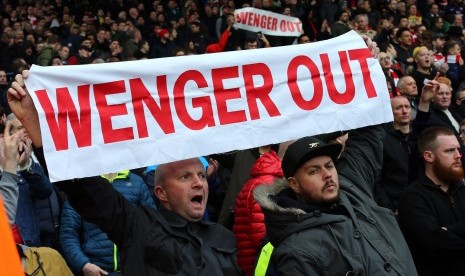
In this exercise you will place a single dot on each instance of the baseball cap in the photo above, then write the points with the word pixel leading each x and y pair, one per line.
pixel 305 149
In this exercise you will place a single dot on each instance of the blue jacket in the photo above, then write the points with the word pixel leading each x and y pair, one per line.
pixel 33 184
pixel 83 242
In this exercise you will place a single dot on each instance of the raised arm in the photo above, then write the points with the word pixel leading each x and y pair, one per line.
pixel 9 156
pixel 22 106
pixel 92 197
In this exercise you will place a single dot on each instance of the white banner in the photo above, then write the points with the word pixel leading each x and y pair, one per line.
pixel 269 23
pixel 104 118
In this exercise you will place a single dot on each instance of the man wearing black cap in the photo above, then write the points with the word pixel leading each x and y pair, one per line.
pixel 322 218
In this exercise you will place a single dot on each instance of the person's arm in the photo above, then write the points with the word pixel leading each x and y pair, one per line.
pixel 92 197
pixel 10 193
pixel 70 238
pixel 39 184
pixel 9 182
pixel 99 203
pixel 420 123
pixel 362 158
pixel 422 226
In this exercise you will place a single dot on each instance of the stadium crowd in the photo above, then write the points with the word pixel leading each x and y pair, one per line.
pixel 412 166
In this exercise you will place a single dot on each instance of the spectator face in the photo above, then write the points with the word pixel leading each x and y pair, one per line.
pixel 83 28
pixel 57 62
pixel 287 11
pixel 3 80
pixel 153 16
pixel 438 44
pixel 401 110
pixel 133 13
pixel 16 126
pixel 87 43
pixel 412 10
pixel 316 181
pixel 122 27
pixel 423 59
pixel 446 163
pixel 362 23
pixel 384 60
pixel 84 53
pixel 393 5
pixel 344 17
pixel 64 52
pixel 439 24
pixel 183 188
pixel 405 39
pixel 101 35
pixel 250 45
pixel 195 28
pixel 114 45
pixel 434 9
pixel 409 88
pixel 442 99
pixel 458 20
pixel 304 39
pixel 403 23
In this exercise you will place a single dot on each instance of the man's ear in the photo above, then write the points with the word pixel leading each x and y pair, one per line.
pixel 428 156
pixel 160 194
pixel 293 184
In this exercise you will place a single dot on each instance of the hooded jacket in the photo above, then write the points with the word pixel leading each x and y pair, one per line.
pixel 249 223
pixel 354 236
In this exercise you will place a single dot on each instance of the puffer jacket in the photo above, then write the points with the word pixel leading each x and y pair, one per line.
pixel 84 242
pixel 249 223
pixel 353 237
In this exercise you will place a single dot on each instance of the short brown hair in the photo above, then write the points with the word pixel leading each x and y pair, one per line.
pixel 427 139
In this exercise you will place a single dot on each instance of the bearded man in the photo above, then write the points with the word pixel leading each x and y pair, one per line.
pixel 432 209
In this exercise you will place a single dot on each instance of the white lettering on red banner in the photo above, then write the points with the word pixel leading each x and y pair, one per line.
pixel 104 118
pixel 269 23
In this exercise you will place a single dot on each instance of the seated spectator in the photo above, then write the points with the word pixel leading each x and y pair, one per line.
pixel 363 26
pixel 432 209
pixel 46 210
pixel 441 114
pixel 394 173
pixel 407 87
pixel 453 58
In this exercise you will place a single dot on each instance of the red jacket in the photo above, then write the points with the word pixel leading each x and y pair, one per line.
pixel 249 224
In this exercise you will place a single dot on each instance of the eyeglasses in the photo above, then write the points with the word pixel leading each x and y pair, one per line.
pixel 385 58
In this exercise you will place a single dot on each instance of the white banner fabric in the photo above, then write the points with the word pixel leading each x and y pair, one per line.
pixel 269 23
pixel 104 118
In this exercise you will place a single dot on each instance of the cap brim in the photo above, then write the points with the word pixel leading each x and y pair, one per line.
pixel 331 150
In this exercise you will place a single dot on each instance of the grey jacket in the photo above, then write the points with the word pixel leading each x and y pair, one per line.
pixel 353 237
pixel 9 192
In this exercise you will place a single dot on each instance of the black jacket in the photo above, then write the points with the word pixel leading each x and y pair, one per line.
pixel 153 242
pixel 423 209
pixel 439 118
pixel 395 170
